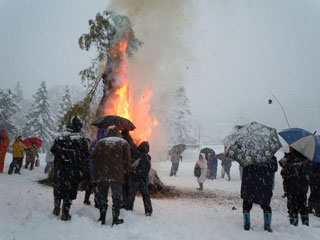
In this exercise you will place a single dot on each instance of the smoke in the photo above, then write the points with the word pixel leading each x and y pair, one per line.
pixel 159 25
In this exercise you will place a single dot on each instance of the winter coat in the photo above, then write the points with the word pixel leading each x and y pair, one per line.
pixel 142 165
pixel 31 154
pixel 202 163
pixel 213 164
pixel 18 148
pixel 175 157
pixel 257 182
pixel 295 171
pixel 4 144
pixel 70 151
pixel 226 163
pixel 111 157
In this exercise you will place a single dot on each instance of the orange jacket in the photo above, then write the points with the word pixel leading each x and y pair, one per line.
pixel 4 142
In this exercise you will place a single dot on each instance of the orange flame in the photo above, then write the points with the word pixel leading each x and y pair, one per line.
pixel 122 102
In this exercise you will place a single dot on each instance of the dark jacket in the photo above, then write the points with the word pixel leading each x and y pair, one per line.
pixel 133 147
pixel 257 182
pixel 111 157
pixel 70 150
pixel 295 171
pixel 142 165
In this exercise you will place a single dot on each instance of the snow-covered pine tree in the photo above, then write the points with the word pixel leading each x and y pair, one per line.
pixel 40 122
pixel 180 120
pixel 64 106
pixel 8 107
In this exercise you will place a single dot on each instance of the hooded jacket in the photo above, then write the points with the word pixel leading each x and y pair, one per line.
pixel 18 148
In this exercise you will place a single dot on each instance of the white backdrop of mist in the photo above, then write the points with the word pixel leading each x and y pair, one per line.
pixel 231 55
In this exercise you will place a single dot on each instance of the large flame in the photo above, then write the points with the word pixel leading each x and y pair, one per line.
pixel 122 102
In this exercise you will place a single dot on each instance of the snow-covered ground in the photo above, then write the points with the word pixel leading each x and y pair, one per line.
pixel 26 210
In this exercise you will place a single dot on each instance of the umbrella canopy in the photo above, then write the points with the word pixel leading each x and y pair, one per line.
pixel 32 140
pixel 252 143
pixel 181 147
pixel 303 141
pixel 221 156
pixel 206 151
pixel 119 122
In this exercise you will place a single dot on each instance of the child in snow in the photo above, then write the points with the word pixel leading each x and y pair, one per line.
pixel 202 164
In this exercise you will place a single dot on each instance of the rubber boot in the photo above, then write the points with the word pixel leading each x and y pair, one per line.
pixel 200 186
pixel 115 216
pixel 102 218
pixel 87 197
pixel 294 220
pixel 65 216
pixel 246 221
pixel 305 220
pixel 267 221
pixel 56 210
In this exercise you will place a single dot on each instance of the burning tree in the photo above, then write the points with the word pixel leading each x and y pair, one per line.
pixel 114 39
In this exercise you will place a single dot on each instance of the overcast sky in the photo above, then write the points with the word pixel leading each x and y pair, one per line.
pixel 240 53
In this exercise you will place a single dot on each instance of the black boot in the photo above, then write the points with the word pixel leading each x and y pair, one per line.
pixel 65 216
pixel 31 166
pixel 87 197
pixel 102 218
pixel 305 220
pixel 57 203
pixel 115 216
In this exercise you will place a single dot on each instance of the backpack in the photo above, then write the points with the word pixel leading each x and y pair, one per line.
pixel 197 171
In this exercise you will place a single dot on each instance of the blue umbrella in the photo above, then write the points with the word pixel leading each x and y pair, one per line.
pixel 303 141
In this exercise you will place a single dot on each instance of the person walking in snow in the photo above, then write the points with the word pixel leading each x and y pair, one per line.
pixel 70 150
pixel 203 165
pixel 296 184
pixel 314 198
pixel 4 144
pixel 18 149
pixel 49 160
pixel 140 178
pixel 175 160
pixel 111 159
pixel 31 155
pixel 256 187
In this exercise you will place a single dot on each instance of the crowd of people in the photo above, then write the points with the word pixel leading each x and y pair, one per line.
pixel 75 159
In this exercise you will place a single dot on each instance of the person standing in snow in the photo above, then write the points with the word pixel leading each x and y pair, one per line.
pixel 314 198
pixel 111 159
pixel 127 178
pixel 31 154
pixel 225 167
pixel 49 160
pixel 296 184
pixel 175 160
pixel 140 178
pixel 18 149
pixel 212 165
pixel 4 144
pixel 70 150
pixel 256 187
pixel 203 165
pixel 100 134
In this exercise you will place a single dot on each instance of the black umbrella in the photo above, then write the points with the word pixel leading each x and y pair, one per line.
pixel 206 151
pixel 181 147
pixel 119 122
pixel 221 156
